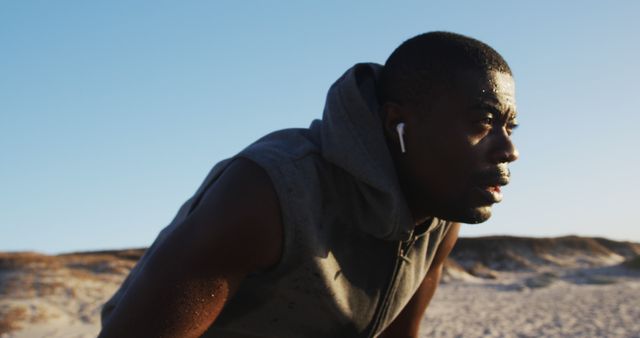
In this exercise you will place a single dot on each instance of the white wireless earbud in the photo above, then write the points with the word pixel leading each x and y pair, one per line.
pixel 400 130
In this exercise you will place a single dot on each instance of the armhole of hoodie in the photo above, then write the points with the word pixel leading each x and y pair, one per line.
pixel 281 176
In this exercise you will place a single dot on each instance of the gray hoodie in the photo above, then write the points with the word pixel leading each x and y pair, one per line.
pixel 352 257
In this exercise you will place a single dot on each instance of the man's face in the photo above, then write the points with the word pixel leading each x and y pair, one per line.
pixel 459 148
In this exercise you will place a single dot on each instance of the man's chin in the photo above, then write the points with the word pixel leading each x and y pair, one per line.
pixel 470 216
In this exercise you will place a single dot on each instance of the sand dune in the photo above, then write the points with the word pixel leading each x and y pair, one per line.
pixel 58 296
pixel 492 287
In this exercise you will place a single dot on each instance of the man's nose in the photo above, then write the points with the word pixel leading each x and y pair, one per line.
pixel 504 151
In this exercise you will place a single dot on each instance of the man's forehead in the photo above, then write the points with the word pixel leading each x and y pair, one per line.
pixel 493 88
pixel 503 86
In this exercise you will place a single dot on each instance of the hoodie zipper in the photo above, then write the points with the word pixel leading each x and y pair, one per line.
pixel 403 249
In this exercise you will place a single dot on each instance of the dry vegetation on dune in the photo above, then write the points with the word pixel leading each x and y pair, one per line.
pixel 11 317
pixel 21 260
pixel 505 253
pixel 37 288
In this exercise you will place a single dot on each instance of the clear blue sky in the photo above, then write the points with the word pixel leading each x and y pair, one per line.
pixel 112 112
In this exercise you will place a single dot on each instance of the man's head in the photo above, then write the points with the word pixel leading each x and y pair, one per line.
pixel 456 97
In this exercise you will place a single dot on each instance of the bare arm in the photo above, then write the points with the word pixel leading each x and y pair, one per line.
pixel 407 324
pixel 235 230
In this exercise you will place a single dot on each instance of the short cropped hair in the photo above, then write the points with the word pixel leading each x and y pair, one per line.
pixel 420 64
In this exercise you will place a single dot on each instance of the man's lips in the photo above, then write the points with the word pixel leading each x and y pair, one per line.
pixel 490 189
pixel 495 188
pixel 490 194
pixel 488 182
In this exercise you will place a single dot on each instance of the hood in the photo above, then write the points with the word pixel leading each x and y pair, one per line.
pixel 352 138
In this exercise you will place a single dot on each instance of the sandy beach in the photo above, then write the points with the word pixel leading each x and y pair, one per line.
pixel 599 308
pixel 593 291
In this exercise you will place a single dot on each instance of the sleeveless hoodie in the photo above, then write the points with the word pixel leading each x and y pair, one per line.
pixel 352 256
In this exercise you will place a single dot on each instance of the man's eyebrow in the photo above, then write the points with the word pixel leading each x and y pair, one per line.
pixel 494 108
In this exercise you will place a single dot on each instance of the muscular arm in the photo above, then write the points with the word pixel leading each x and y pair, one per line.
pixel 407 324
pixel 236 229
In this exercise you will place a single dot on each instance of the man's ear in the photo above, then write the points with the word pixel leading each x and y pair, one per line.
pixel 393 114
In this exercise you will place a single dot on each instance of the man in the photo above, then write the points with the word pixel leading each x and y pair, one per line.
pixel 341 229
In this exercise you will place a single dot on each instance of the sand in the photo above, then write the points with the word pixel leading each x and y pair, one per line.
pixel 460 309
pixel 560 309
pixel 514 292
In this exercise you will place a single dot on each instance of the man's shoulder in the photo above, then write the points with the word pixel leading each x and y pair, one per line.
pixel 294 157
pixel 284 146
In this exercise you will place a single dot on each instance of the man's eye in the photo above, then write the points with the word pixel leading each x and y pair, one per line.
pixel 486 121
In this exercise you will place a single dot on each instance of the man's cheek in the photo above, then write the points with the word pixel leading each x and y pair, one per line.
pixel 450 180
